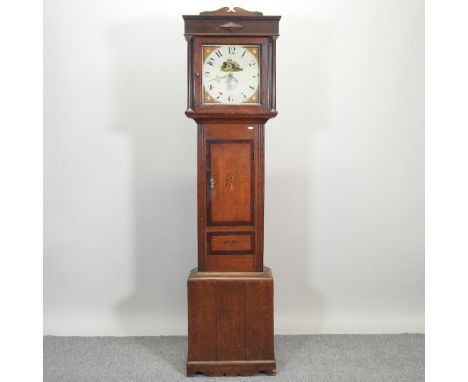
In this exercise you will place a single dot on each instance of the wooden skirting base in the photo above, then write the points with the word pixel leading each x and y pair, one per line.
pixel 231 368
pixel 230 330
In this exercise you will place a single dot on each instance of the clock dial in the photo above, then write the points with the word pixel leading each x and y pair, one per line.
pixel 231 74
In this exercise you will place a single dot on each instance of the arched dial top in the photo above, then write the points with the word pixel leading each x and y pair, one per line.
pixel 231 74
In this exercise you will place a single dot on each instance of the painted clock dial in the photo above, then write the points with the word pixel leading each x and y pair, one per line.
pixel 231 74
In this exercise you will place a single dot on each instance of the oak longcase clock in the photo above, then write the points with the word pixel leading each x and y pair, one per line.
pixel 231 95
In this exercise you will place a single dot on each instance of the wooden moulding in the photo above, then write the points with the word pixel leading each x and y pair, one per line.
pixel 230 326
pixel 230 118
pixel 225 21
pixel 231 368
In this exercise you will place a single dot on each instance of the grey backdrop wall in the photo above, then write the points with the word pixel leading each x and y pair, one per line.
pixel 344 167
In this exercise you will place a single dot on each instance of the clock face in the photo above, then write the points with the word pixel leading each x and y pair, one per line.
pixel 231 74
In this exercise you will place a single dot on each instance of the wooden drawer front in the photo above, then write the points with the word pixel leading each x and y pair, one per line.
pixel 232 243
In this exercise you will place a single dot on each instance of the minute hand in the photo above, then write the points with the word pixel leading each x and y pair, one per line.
pixel 218 78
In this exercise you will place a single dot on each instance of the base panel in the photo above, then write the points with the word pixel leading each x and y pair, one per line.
pixel 230 323
pixel 231 368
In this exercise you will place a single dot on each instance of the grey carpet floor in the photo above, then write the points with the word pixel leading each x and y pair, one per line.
pixel 317 358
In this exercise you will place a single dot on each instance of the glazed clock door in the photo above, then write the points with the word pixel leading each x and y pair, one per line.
pixel 231 75
pixel 231 188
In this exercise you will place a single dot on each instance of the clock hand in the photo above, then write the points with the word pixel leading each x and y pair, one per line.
pixel 218 78
pixel 231 81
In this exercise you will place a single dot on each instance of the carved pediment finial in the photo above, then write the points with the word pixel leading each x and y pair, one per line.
pixel 226 11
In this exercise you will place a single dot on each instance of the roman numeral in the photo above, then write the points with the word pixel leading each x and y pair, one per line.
pixel 244 95
pixel 218 53
pixel 230 99
pixel 232 50
pixel 207 73
pixel 243 53
pixel 252 63
pixel 210 61
pixel 210 87
pixel 251 87
pixel 220 94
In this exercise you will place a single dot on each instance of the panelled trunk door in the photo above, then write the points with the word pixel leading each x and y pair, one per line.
pixel 231 182
pixel 230 195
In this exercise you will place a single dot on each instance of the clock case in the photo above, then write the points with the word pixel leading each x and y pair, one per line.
pixel 231 136
pixel 230 294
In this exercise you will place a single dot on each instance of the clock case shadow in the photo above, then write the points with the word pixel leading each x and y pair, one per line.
pixel 148 76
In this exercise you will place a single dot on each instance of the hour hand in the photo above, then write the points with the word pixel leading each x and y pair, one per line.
pixel 218 78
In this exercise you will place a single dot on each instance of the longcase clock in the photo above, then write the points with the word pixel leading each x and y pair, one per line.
pixel 231 95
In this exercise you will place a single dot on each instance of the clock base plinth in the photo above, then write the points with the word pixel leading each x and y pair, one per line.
pixel 230 323
pixel 230 368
